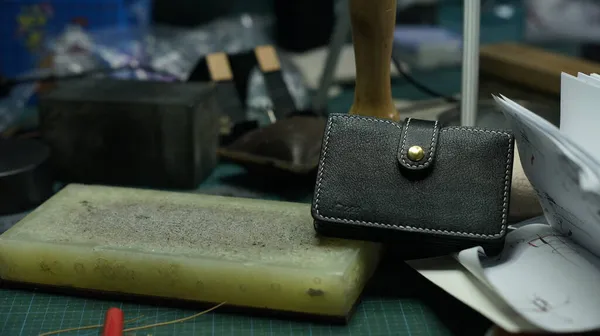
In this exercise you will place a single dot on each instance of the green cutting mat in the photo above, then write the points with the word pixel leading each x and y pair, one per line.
pixel 397 301
pixel 25 313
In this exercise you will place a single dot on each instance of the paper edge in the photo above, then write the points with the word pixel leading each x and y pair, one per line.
pixel 478 296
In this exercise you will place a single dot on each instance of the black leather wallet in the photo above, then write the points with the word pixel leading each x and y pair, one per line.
pixel 442 189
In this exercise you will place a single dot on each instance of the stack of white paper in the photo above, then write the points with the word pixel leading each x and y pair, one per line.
pixel 548 275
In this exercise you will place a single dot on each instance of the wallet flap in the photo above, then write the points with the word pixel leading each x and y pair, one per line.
pixel 419 140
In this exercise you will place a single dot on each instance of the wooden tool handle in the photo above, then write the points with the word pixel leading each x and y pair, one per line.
pixel 373 24
pixel 219 68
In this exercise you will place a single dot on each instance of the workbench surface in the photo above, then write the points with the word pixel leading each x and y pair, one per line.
pixel 25 313
pixel 409 304
pixel 398 301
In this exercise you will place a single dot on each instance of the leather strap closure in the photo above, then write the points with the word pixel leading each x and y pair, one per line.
pixel 418 143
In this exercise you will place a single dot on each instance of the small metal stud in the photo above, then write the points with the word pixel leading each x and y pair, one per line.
pixel 415 153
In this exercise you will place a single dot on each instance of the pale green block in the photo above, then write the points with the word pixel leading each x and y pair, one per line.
pixel 247 252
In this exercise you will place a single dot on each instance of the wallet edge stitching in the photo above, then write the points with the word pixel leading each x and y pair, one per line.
pixel 505 193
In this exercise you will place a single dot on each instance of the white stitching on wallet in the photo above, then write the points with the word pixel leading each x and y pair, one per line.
pixel 431 148
pixel 506 182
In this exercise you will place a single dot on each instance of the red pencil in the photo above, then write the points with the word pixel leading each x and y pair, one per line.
pixel 113 324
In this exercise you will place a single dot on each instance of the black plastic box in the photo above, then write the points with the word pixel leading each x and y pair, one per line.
pixel 134 133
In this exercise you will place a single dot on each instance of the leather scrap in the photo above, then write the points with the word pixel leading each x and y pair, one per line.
pixel 290 145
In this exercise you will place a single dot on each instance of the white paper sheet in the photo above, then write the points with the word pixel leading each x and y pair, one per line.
pixel 590 79
pixel 579 119
pixel 555 173
pixel 544 276
pixel 448 274
pixel 567 146
pixel 548 275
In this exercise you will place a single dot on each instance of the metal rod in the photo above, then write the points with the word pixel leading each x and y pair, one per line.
pixel 338 40
pixel 470 62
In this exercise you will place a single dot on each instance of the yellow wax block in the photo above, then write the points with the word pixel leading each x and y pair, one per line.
pixel 251 253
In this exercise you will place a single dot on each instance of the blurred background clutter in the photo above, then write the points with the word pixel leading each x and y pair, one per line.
pixel 163 40
pixel 230 97
pixel 263 74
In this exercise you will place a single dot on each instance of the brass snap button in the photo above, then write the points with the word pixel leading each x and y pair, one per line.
pixel 415 153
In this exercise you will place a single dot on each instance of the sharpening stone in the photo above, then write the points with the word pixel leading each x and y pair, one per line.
pixel 247 252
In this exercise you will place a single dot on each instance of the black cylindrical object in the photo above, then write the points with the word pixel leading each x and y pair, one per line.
pixel 418 14
pixel 25 180
pixel 189 13
pixel 303 24
pixel 590 51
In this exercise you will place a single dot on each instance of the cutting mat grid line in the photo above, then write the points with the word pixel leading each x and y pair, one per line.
pixel 24 313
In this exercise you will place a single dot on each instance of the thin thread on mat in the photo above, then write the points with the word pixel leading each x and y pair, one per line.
pixel 160 324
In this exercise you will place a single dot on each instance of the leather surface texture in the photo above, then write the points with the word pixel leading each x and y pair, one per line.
pixel 291 144
pixel 457 196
